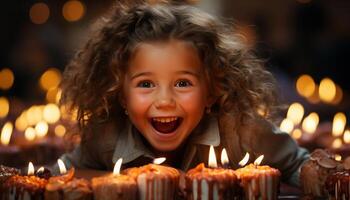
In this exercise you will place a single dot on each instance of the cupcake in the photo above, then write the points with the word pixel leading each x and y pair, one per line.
pixel 259 182
pixel 114 187
pixel 155 181
pixel 211 183
pixel 68 187
pixel 315 171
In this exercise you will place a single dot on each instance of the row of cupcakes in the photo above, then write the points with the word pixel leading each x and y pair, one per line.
pixel 152 181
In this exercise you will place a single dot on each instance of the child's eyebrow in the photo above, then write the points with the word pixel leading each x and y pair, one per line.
pixel 196 74
pixel 140 74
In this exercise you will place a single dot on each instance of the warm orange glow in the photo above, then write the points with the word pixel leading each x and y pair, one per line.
pixel 305 85
pixel 73 10
pixel 159 161
pixel 51 95
pixel 39 13
pixel 314 98
pixel 61 166
pixel 338 95
pixel 58 96
pixel 60 130
pixel 224 157
pixel 4 107
pixel 21 123
pixel 245 160
pixel 6 79
pixel 41 129
pixel 117 166
pixel 339 122
pixel 34 115
pixel 346 137
pixel 296 134
pixel 212 158
pixel 259 160
pixel 337 143
pixel 30 169
pixel 310 123
pixel 287 125
pixel 6 133
pixel 295 113
pixel 327 90
pixel 50 79
pixel 51 113
pixel 338 157
pixel 30 134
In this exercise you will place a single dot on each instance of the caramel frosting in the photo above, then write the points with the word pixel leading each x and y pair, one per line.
pixel 211 183
pixel 6 172
pixel 152 170
pixel 68 187
pixel 253 171
pixel 31 184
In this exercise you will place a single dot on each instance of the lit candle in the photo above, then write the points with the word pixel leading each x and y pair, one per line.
pixel 212 182
pixel 65 186
pixel 258 181
pixel 115 185
pixel 155 181
pixel 24 187
pixel 224 159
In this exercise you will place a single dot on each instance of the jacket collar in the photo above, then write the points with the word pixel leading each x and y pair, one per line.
pixel 130 146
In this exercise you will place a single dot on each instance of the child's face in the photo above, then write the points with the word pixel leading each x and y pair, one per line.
pixel 165 92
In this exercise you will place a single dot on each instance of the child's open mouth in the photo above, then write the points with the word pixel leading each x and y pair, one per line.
pixel 166 124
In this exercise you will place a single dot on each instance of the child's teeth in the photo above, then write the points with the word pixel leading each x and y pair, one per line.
pixel 165 120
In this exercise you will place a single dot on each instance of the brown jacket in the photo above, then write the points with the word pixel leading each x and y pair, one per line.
pixel 257 137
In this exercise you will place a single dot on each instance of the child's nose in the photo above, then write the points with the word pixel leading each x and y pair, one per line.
pixel 165 99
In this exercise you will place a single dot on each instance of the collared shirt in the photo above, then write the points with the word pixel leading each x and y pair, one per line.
pixel 256 136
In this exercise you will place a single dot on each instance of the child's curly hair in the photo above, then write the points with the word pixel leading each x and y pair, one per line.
pixel 93 80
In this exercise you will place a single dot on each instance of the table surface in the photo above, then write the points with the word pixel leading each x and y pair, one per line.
pixel 286 192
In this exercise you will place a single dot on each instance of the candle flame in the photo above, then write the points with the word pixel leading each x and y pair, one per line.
pixel 30 169
pixel 339 122
pixel 224 157
pixel 212 158
pixel 159 161
pixel 41 169
pixel 62 167
pixel 6 133
pixel 245 160
pixel 259 160
pixel 117 166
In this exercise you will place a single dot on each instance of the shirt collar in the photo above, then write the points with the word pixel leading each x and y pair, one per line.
pixel 130 146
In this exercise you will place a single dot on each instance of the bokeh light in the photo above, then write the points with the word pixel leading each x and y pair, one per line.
pixel 310 123
pixel 4 107
pixel 51 113
pixel 50 79
pixel 327 90
pixel 305 85
pixel 287 125
pixel 29 133
pixel 39 13
pixel 295 113
pixel 339 122
pixel 6 79
pixel 60 130
pixel 73 10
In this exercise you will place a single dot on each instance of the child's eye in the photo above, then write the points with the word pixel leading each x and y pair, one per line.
pixel 183 83
pixel 145 84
